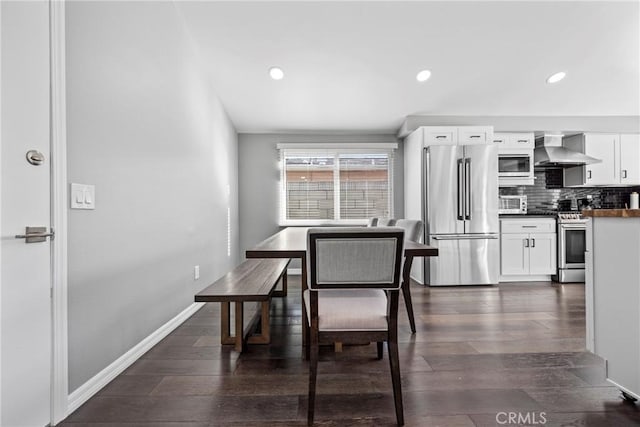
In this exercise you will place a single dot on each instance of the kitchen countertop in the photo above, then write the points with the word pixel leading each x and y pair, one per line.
pixel 525 216
pixel 612 213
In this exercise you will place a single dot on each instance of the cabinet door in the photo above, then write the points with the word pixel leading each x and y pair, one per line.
pixel 501 139
pixel 542 253
pixel 522 140
pixel 514 254
pixel 468 135
pixel 602 147
pixel 440 135
pixel 630 159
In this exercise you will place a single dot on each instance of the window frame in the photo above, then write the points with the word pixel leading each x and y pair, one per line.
pixel 333 149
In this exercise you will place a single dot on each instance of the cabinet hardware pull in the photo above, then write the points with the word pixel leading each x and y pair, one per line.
pixel 529 226
pixel 588 174
pixel 624 173
pixel 474 136
pixel 440 136
pixel 522 140
pixel 533 243
pixel 526 243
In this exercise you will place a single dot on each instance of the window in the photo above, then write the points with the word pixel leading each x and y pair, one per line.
pixel 347 184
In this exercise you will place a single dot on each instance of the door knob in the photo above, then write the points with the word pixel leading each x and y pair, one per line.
pixel 36 235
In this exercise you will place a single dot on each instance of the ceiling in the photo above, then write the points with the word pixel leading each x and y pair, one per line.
pixel 351 66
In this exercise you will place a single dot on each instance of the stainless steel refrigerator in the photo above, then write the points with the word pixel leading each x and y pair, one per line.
pixel 461 214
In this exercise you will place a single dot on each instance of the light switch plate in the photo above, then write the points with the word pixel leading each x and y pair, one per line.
pixel 83 196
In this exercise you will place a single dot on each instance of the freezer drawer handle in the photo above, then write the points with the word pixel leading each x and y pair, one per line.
pixel 465 237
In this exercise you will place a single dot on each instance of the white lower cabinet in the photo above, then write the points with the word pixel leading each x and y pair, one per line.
pixel 612 291
pixel 527 249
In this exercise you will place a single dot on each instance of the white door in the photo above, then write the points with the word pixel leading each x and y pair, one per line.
pixel 542 253
pixel 630 159
pixel 514 254
pixel 25 313
pixel 602 147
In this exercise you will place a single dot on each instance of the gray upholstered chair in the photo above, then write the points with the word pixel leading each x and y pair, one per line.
pixel 385 222
pixel 352 295
pixel 413 232
pixel 412 229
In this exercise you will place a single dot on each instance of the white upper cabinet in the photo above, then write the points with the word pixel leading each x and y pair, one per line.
pixel 455 135
pixel 517 140
pixel 630 159
pixel 474 135
pixel 620 155
pixel 434 135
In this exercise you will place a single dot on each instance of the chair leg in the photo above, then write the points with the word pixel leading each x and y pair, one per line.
pixel 313 373
pixel 394 362
pixel 380 349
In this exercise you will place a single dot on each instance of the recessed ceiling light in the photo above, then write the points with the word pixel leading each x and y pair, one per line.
pixel 423 76
pixel 555 78
pixel 276 73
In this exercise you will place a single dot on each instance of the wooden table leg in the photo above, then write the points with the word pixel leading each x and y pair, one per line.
pixel 225 324
pixel 283 292
pixel 265 328
pixel 406 291
pixel 239 326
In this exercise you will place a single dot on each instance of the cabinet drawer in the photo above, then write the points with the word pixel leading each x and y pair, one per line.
pixel 474 135
pixel 528 226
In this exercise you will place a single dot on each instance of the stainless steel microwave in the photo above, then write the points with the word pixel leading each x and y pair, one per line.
pixel 515 164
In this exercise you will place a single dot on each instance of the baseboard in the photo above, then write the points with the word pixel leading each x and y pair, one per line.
pixel 102 378
pixel 523 278
pixel 294 271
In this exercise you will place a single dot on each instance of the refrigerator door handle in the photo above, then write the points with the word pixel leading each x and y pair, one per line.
pixel 466 237
pixel 460 190
pixel 467 176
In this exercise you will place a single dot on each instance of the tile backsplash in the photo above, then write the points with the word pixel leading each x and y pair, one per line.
pixel 547 190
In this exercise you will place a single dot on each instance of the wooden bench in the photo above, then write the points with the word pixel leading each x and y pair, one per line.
pixel 254 280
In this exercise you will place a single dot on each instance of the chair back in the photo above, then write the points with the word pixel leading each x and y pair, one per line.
pixel 412 229
pixel 385 222
pixel 354 257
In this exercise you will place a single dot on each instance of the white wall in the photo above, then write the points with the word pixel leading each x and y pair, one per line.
pixel 259 179
pixel 145 127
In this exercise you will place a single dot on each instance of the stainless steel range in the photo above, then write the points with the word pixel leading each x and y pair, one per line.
pixel 572 229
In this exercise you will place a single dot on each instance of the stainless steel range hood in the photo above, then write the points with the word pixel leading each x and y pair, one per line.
pixel 550 153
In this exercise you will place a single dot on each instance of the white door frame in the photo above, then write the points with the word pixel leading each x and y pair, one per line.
pixel 59 366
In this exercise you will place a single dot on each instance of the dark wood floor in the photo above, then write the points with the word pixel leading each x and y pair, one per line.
pixel 479 352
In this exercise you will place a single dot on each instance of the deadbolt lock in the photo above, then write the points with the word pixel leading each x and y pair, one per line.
pixel 35 157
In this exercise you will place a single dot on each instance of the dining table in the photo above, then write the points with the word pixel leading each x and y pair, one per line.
pixel 291 242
